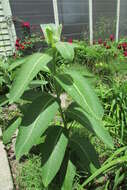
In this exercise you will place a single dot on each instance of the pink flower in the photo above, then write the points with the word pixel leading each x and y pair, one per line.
pixel 125 53
pixel 112 37
pixel 70 40
pixel 25 24
pixel 100 41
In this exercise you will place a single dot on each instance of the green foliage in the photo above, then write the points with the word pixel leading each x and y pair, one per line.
pixel 39 111
pixel 106 167
pixel 57 151
pixel 29 175
pixel 31 127
pixel 74 112
pixel 7 135
pixel 99 57
pixel 28 71
pixel 70 174
pixel 115 103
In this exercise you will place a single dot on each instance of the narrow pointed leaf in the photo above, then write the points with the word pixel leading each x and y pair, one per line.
pixel 57 147
pixel 28 71
pixel 37 118
pixel 66 50
pixel 74 112
pixel 8 133
pixel 81 91
pixel 70 174
pixel 101 170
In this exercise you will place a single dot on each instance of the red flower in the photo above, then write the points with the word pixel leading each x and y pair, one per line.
pixel 25 24
pixel 17 44
pixel 119 46
pixel 112 37
pixel 100 41
pixel 124 45
pixel 125 53
pixel 22 47
pixel 108 47
pixel 70 40
pixel 105 43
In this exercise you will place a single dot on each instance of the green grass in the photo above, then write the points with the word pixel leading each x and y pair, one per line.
pixel 29 175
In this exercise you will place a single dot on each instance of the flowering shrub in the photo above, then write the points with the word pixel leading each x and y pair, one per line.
pixel 123 47
pixel 27 43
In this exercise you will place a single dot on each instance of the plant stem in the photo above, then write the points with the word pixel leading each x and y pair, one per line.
pixel 56 89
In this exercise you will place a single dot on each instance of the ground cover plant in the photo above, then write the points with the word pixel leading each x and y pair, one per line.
pixel 79 146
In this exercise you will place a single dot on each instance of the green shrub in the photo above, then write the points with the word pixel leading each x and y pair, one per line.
pixel 61 149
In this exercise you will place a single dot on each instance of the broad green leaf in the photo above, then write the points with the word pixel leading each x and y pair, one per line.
pixel 36 120
pixel 56 144
pixel 66 50
pixel 17 63
pixel 86 156
pixel 28 71
pixel 7 134
pixel 70 174
pixel 74 112
pixel 81 91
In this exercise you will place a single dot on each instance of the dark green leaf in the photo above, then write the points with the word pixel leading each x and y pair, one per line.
pixel 55 147
pixel 74 112
pixel 86 156
pixel 36 120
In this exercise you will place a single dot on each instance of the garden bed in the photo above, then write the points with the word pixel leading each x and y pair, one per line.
pixel 58 133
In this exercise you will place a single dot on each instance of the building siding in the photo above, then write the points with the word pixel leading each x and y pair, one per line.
pixel 6 30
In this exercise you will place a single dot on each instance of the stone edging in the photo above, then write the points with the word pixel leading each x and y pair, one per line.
pixel 6 182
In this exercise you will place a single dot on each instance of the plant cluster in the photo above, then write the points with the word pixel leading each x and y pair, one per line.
pixel 63 152
pixel 78 146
